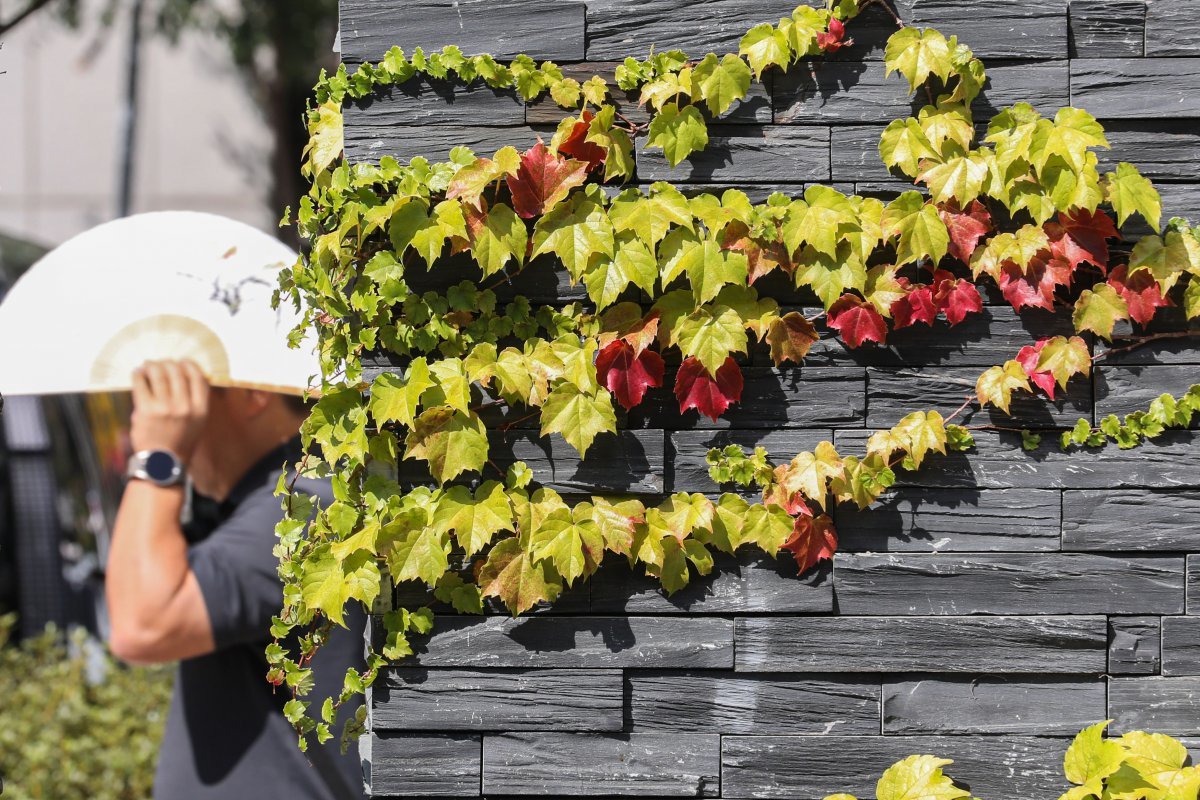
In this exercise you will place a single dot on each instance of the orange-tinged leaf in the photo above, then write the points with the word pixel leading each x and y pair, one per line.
pixel 511 575
pixel 543 180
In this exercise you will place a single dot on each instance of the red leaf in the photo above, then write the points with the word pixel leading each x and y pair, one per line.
pixel 1082 237
pixel 794 504
pixel 695 388
pixel 1034 287
pixel 856 320
pixel 625 321
pixel 1140 291
pixel 957 298
pixel 813 540
pixel 542 180
pixel 916 306
pixel 966 228
pixel 577 146
pixel 1028 358
pixel 627 373
pixel 835 39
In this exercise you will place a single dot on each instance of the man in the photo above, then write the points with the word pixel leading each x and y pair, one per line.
pixel 209 604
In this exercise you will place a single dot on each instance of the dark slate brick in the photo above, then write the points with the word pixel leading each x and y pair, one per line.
pixel 579 642
pixel 1172 29
pixel 1161 705
pixel 422 101
pixel 1181 646
pixel 1162 149
pixel 1122 390
pixel 433 766
pixel 1133 645
pixel 1008 584
pixel 860 92
pixel 689 449
pixel 1034 706
pixel 749 153
pixel 749 583
pixel 1107 28
pixel 855 154
pixel 953 520
pixel 998 462
pixel 896 392
pixel 824 92
pixel 1137 88
pixel 984 339
pixel 814 766
pixel 572 764
pixel 755 107
pixel 1182 350
pixel 1104 519
pixel 1193 585
pixel 629 461
pixel 727 703
pixel 370 27
pixel 772 397
pixel 498 700
pixel 905 644
pixel 620 28
pixel 370 142
pixel 1000 28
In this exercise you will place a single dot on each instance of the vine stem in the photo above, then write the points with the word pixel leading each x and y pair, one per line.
pixel 886 6
pixel 1139 341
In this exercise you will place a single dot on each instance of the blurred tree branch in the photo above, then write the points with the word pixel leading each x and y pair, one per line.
pixel 22 15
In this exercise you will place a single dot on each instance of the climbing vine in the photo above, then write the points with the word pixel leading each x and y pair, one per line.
pixel 672 286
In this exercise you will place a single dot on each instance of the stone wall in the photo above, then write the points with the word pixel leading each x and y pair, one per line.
pixel 998 602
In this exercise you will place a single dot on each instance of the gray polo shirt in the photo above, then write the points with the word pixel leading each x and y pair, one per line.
pixel 226 736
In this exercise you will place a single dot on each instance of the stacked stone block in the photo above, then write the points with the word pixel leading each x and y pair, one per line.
pixel 994 604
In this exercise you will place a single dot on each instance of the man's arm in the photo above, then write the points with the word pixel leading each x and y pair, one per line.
pixel 155 604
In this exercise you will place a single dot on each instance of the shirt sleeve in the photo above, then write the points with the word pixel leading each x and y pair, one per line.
pixel 236 570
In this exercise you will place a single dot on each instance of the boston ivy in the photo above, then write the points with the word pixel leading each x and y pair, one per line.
pixel 1022 210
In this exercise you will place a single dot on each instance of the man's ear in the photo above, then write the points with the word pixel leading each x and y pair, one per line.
pixel 256 402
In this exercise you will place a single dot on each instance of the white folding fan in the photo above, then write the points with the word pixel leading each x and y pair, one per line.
pixel 163 285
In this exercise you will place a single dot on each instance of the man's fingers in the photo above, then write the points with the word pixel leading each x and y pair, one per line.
pixel 141 387
pixel 179 398
pixel 197 386
pixel 156 378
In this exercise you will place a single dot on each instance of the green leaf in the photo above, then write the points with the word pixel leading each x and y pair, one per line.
pixel 419 553
pixel 396 400
pixel 997 384
pixel 721 83
pixel 921 433
pixel 904 145
pixel 1098 309
pixel 327 584
pixel 476 519
pixel 325 138
pixel 917 54
pixel 606 278
pixel 1091 758
pixel 1069 136
pixel 678 132
pixel 500 238
pixel 921 230
pixel 711 334
pixel 959 179
pixel 1063 357
pixel 765 46
pixel 513 575
pixel 574 231
pixel 706 265
pixel 819 220
pixel 651 218
pixel 575 547
pixel 577 415
pixel 451 441
pixel 809 473
pixel 918 778
pixel 1129 192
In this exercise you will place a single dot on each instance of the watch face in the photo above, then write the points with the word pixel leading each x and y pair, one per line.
pixel 160 466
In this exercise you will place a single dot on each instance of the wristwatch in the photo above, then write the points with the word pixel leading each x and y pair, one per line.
pixel 160 467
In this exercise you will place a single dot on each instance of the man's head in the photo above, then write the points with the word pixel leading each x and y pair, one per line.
pixel 218 432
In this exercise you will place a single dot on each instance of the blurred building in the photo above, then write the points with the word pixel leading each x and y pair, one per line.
pixel 201 143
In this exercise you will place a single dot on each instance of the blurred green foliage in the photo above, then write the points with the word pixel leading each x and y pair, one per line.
pixel 74 723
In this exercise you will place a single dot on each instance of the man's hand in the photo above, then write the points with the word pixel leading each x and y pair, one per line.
pixel 170 402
